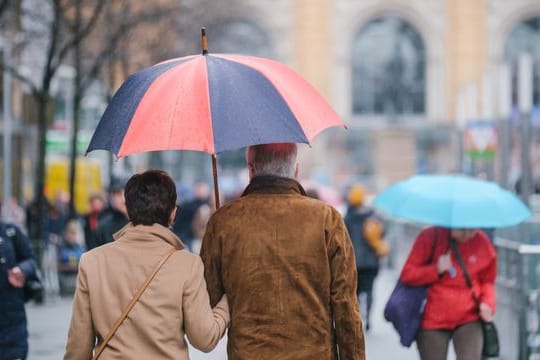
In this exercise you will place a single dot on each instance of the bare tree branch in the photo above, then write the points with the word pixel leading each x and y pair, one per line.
pixel 49 69
pixel 25 80
pixel 81 34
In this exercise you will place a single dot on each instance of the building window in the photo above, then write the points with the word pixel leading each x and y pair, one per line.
pixel 525 38
pixel 388 68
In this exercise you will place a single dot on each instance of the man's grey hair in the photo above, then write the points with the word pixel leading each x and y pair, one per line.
pixel 273 159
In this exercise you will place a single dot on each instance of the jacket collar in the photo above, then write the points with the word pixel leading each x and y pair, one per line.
pixel 270 184
pixel 148 233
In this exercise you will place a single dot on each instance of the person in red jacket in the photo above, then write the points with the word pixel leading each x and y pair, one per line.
pixel 450 312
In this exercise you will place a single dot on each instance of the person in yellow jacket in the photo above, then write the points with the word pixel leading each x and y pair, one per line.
pixel 366 232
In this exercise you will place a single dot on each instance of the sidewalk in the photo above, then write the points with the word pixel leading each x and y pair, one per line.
pixel 48 325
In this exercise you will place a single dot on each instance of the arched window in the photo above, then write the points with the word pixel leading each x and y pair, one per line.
pixel 240 37
pixel 388 68
pixel 525 38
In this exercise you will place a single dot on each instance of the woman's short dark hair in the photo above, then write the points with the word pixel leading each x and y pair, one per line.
pixel 150 198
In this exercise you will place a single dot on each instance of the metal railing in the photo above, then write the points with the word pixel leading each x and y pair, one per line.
pixel 518 289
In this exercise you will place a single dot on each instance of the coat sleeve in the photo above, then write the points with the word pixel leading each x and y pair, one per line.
pixel 81 336
pixel 347 321
pixel 486 277
pixel 25 257
pixel 204 326
pixel 211 257
pixel 373 233
pixel 418 270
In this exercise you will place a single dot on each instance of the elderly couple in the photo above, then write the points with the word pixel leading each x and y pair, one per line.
pixel 277 269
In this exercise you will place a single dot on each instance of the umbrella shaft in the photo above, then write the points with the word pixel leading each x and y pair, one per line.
pixel 214 171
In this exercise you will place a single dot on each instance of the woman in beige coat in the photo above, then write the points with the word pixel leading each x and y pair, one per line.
pixel 174 303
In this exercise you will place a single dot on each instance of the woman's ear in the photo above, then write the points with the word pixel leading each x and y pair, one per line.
pixel 173 215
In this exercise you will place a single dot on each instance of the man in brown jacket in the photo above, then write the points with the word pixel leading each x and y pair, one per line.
pixel 287 265
pixel 175 302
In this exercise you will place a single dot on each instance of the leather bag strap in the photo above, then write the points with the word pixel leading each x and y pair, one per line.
pixel 433 247
pixel 459 259
pixel 132 303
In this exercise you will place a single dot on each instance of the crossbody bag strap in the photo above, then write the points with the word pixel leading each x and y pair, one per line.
pixel 130 306
pixel 455 250
pixel 433 247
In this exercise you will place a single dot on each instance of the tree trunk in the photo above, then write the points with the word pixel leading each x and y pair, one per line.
pixel 77 96
pixel 37 223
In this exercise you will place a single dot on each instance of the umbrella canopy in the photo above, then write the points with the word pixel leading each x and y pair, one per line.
pixel 212 103
pixel 452 201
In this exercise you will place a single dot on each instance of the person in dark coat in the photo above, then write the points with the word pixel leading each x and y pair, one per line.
pixel 115 216
pixel 366 232
pixel 17 263
pixel 94 217
pixel 185 216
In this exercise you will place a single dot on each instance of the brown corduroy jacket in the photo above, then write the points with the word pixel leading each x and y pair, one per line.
pixel 175 303
pixel 287 265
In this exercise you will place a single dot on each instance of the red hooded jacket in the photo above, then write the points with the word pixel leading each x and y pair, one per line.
pixel 449 300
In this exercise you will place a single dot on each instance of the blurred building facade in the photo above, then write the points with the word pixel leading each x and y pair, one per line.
pixel 393 69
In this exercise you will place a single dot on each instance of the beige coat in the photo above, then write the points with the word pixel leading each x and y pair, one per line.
pixel 287 265
pixel 175 302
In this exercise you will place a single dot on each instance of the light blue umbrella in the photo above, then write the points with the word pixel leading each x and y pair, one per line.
pixel 453 201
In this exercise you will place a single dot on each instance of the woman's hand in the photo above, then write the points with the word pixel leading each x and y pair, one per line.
pixel 485 312
pixel 444 263
pixel 16 277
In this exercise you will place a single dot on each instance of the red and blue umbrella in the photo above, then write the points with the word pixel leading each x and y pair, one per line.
pixel 212 103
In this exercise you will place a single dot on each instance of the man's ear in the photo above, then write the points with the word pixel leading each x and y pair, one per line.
pixel 250 170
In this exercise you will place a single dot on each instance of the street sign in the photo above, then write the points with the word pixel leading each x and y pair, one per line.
pixel 481 139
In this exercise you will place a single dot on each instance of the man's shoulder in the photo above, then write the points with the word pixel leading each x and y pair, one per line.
pixel 298 205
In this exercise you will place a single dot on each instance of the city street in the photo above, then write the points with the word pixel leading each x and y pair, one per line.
pixel 48 326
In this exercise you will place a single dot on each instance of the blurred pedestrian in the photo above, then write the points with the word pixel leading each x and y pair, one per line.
pixel 57 219
pixel 13 212
pixel 200 221
pixel 287 265
pixel 17 263
pixel 114 216
pixel 366 231
pixel 451 313
pixel 70 251
pixel 174 303
pixel 55 223
pixel 96 203
pixel 183 224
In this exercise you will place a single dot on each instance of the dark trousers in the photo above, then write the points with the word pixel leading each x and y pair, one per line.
pixel 467 339
pixel 366 278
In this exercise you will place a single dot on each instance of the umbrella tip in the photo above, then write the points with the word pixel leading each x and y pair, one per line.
pixel 204 42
